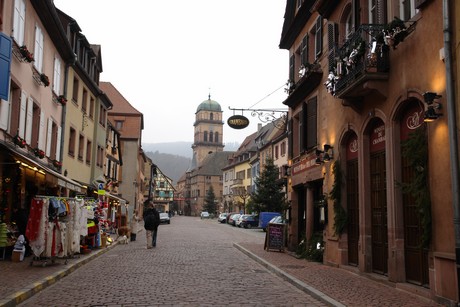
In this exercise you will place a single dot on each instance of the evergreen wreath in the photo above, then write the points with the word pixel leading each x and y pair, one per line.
pixel 340 215
pixel 415 150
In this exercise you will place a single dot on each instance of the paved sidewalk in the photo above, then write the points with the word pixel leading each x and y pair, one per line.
pixel 21 280
pixel 333 286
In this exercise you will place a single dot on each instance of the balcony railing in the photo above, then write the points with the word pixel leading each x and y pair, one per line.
pixel 309 78
pixel 363 57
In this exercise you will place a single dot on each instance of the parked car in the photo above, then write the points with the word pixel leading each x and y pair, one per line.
pixel 240 219
pixel 204 215
pixel 278 220
pixel 250 221
pixel 222 218
pixel 164 218
pixel 229 216
pixel 232 220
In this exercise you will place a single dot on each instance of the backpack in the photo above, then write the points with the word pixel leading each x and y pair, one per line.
pixel 151 220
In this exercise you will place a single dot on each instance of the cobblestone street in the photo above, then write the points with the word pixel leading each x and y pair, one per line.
pixel 194 263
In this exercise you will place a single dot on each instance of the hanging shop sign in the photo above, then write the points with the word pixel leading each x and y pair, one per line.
pixel 100 189
pixel 238 122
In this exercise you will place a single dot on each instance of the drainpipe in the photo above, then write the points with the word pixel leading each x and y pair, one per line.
pixel 452 127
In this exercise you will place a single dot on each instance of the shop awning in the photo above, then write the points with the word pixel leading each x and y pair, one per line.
pixel 60 179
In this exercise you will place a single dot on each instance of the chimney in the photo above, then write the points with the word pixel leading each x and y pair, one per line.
pixel 259 126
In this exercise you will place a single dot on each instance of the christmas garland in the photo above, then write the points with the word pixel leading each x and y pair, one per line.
pixel 345 64
pixel 340 215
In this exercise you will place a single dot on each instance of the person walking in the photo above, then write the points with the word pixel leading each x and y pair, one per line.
pixel 134 226
pixel 151 222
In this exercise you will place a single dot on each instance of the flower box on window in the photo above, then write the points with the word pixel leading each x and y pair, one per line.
pixel 26 54
pixel 19 141
pixel 39 153
pixel 57 164
pixel 45 80
pixel 62 100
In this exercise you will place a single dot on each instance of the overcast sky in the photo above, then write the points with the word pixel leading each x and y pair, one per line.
pixel 166 56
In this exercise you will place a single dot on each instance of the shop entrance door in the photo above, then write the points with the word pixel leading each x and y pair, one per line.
pixel 379 213
pixel 353 211
pixel 301 214
pixel 415 256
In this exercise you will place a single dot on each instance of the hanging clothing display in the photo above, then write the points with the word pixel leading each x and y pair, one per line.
pixel 56 225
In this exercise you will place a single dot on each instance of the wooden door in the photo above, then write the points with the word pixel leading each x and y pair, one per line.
pixel 353 211
pixel 379 213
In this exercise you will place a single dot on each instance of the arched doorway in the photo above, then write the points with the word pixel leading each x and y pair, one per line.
pixel 415 254
pixel 352 199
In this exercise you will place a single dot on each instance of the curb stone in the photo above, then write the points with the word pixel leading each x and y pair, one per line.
pixel 291 279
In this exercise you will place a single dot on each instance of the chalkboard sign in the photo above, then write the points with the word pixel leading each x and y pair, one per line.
pixel 274 238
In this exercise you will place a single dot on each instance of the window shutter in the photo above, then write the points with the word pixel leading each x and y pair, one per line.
pixel 29 121
pixel 4 114
pixel 19 21
pixel 332 42
pixel 58 144
pixel 319 37
pixel 48 136
pixel 311 123
pixel 108 164
pixel 5 63
pixel 302 128
pixel 291 68
pixel 381 12
pixel 57 76
pixel 41 138
pixel 38 51
pixel 290 140
pixel 304 50
pixel 22 114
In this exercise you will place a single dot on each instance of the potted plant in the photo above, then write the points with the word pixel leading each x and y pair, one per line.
pixel 44 79
pixel 26 54
pixel 57 163
pixel 61 99
pixel 19 141
pixel 394 33
pixel 39 153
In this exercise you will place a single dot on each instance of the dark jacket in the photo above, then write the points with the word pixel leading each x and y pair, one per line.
pixel 151 219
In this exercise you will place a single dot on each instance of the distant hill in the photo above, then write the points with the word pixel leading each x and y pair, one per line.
pixel 174 158
pixel 183 149
pixel 173 166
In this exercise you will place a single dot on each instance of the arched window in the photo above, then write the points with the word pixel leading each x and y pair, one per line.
pixel 205 137
pixel 210 136
pixel 211 117
pixel 216 137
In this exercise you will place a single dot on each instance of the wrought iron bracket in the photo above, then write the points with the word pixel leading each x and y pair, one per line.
pixel 276 116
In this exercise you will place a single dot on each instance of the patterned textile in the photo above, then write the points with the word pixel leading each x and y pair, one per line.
pixel 35 215
pixel 38 244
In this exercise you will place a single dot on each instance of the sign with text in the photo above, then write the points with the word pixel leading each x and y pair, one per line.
pixel 274 238
pixel 238 122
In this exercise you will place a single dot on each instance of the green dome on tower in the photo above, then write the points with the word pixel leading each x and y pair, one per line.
pixel 209 105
